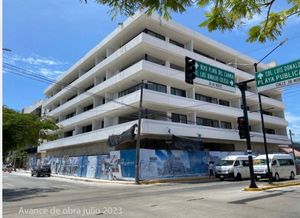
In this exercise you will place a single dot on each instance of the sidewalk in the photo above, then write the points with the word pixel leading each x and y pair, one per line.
pixel 142 182
pixel 84 179
pixel 279 184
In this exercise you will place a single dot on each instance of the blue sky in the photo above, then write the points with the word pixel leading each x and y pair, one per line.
pixel 49 36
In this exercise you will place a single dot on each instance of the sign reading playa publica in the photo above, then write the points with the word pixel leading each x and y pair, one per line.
pixel 277 77
pixel 214 77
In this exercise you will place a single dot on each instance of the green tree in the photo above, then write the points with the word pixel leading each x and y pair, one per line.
pixel 222 15
pixel 21 130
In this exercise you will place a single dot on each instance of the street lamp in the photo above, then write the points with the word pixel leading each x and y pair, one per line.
pixel 292 144
pixel 261 111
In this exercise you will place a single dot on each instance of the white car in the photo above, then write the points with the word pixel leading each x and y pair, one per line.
pixel 281 166
pixel 234 166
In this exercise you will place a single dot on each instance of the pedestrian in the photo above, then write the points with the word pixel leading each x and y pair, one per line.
pixel 211 169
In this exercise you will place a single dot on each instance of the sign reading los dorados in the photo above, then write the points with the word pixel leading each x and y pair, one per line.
pixel 277 77
pixel 214 77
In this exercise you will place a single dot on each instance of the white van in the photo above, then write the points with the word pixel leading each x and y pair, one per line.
pixel 234 166
pixel 281 165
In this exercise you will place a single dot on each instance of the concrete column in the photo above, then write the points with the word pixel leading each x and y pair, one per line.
pixel 62 101
pixel 79 91
pixel 96 101
pixel 80 72
pixel 191 118
pixel 256 127
pixel 167 39
pixel 109 73
pixel 236 103
pixel 109 96
pixel 169 116
pixel 189 45
pixel 279 114
pixel 97 80
pixel 77 130
pixel 108 121
pixel 97 60
pixel 96 124
pixel 168 89
pixel 281 131
pixel 79 109
pixel 109 51
pixel 167 63
pixel 61 117
pixel 190 93
pixel 234 125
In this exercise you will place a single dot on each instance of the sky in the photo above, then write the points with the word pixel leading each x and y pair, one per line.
pixel 48 37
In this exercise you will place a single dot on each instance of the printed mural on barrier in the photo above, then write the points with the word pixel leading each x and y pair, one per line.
pixel 120 165
pixel 31 163
pixel 157 164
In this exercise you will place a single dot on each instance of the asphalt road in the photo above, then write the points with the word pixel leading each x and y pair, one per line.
pixel 25 196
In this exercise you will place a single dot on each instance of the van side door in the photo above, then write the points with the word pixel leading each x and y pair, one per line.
pixel 245 169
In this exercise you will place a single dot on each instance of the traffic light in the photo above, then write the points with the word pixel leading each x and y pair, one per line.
pixel 242 127
pixel 190 70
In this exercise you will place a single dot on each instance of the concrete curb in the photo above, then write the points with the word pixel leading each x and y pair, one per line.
pixel 287 184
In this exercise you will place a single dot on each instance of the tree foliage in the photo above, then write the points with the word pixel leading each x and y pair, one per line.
pixel 20 130
pixel 222 15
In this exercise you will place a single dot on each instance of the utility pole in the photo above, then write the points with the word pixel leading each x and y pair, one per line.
pixel 243 87
pixel 292 144
pixel 138 139
pixel 261 111
pixel 263 131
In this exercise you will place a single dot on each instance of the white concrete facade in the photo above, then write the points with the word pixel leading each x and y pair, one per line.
pixel 93 99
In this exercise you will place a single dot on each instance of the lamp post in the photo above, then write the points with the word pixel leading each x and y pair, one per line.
pixel 292 144
pixel 261 111
pixel 138 140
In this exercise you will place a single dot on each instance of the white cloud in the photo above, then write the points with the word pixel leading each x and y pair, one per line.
pixel 48 67
pixel 40 61
pixel 52 74
pixel 256 19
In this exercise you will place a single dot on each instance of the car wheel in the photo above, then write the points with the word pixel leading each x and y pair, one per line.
pixel 32 174
pixel 38 175
pixel 222 179
pixel 292 175
pixel 238 177
pixel 277 177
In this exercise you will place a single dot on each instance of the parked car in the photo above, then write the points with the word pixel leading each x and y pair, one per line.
pixel 38 171
pixel 8 168
pixel 234 166
pixel 281 165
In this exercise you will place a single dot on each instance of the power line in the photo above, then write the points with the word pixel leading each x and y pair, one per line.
pixel 158 113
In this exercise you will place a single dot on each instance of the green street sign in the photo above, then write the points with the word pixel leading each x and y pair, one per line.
pixel 277 77
pixel 214 77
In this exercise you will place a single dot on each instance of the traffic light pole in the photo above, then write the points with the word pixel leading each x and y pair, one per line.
pixel 263 131
pixel 243 87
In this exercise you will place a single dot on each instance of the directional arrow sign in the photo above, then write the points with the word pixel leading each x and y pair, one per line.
pixel 214 77
pixel 277 77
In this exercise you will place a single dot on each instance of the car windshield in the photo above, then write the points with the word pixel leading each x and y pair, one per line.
pixel 260 162
pixel 225 163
